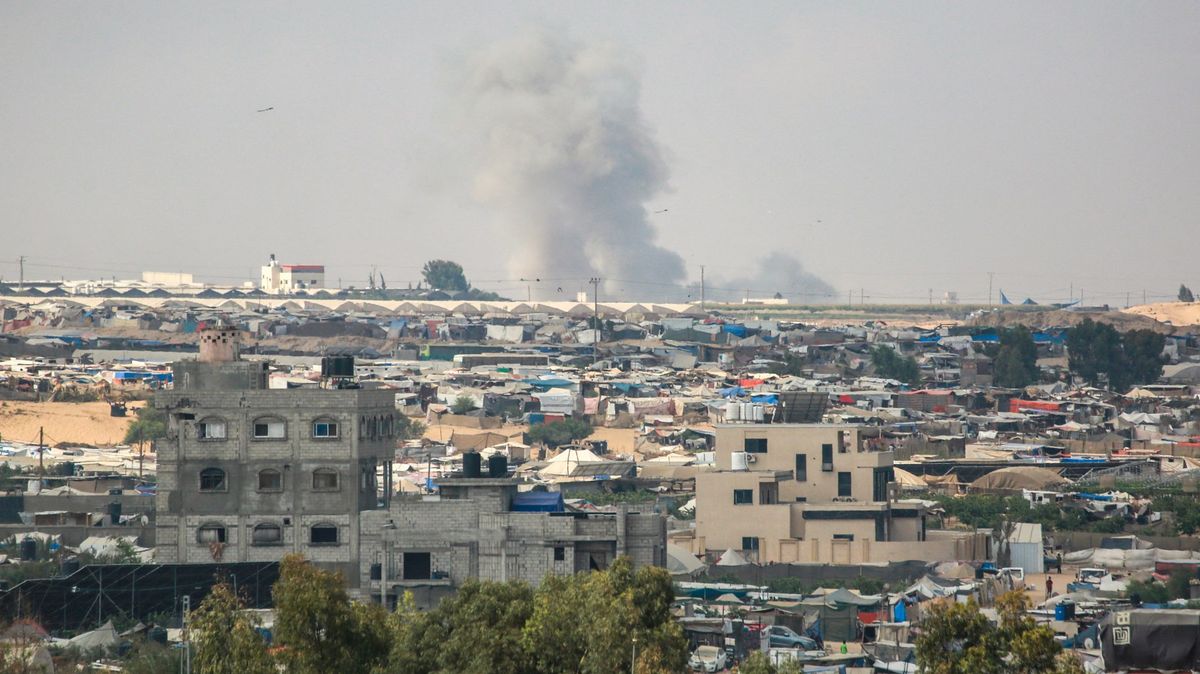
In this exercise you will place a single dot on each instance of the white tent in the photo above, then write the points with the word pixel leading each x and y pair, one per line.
pixel 732 557
pixel 568 461
pixel 681 562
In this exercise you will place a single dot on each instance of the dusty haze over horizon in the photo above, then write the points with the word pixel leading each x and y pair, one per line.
pixel 811 148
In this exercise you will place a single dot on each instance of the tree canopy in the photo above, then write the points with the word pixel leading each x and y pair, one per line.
pixel 580 624
pixel 1015 362
pixel 958 639
pixel 150 425
pixel 1097 351
pixel 445 275
pixel 890 364
pixel 1185 294
pixel 558 433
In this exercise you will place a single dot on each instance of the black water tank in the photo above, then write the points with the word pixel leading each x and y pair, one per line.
pixel 28 550
pixel 158 634
pixel 337 366
pixel 497 465
pixel 114 512
pixel 67 468
pixel 70 565
pixel 472 465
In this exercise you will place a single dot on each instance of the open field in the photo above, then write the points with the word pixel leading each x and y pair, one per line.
pixel 71 423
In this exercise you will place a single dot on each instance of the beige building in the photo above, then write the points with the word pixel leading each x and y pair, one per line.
pixel 813 493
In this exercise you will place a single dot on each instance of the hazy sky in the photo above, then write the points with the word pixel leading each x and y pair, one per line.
pixel 893 147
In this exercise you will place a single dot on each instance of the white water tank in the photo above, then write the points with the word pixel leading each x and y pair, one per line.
pixel 738 461
pixel 758 412
pixel 733 411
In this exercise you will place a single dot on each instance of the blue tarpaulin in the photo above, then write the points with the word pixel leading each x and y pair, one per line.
pixel 765 399
pixel 732 391
pixel 738 330
pixel 538 502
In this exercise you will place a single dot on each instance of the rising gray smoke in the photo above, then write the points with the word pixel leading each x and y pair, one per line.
pixel 567 161
pixel 776 273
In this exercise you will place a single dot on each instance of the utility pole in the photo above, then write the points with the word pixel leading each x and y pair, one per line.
pixel 702 288
pixel 931 297
pixel 1127 305
pixel 41 451
pixel 21 263
pixel 595 281
pixel 990 275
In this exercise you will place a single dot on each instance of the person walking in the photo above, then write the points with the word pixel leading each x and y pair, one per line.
pixel 1049 586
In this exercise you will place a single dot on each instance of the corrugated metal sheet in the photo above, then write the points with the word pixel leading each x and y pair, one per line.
pixel 1025 546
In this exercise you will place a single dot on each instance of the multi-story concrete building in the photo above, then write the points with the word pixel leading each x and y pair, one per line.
pixel 284 279
pixel 804 493
pixel 249 473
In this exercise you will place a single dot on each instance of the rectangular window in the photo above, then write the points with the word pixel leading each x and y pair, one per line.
pixel 210 534
pixel 210 430
pixel 324 479
pixel 743 496
pixel 560 553
pixel 756 445
pixel 269 429
pixel 270 480
pixel 323 534
pixel 843 537
pixel 827 457
pixel 750 543
pixel 844 486
pixel 883 477
pixel 325 429
pixel 267 534
pixel 801 467
pixel 417 566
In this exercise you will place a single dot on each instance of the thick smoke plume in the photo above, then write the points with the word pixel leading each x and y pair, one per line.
pixel 567 162
pixel 776 273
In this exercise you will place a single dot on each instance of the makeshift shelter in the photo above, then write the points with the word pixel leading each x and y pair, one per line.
pixel 1016 478
pixel 908 480
pixel 732 557
pixel 681 562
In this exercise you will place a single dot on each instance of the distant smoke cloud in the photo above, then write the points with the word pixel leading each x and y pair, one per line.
pixel 776 273
pixel 564 155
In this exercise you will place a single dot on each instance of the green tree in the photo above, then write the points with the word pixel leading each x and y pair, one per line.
pixel 148 657
pixel 1094 352
pixel 318 628
pixel 150 425
pixel 225 638
pixel 958 639
pixel 890 364
pixel 1185 294
pixel 759 663
pixel 1015 363
pixel 445 275
pixel 1144 354
pixel 408 428
pixel 558 433
pixel 475 631
pixel 463 405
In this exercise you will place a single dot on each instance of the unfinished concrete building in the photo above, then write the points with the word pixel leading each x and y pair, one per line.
pixel 483 527
pixel 249 473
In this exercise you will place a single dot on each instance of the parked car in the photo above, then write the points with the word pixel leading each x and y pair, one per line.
pixel 708 659
pixel 782 636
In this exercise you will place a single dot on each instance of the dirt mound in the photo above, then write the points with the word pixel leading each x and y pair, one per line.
pixel 1059 318
pixel 1174 313
pixel 84 423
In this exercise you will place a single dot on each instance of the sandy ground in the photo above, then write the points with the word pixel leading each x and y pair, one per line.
pixel 1038 582
pixel 85 423
pixel 1175 313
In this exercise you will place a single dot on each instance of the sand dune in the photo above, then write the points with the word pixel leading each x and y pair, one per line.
pixel 85 423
